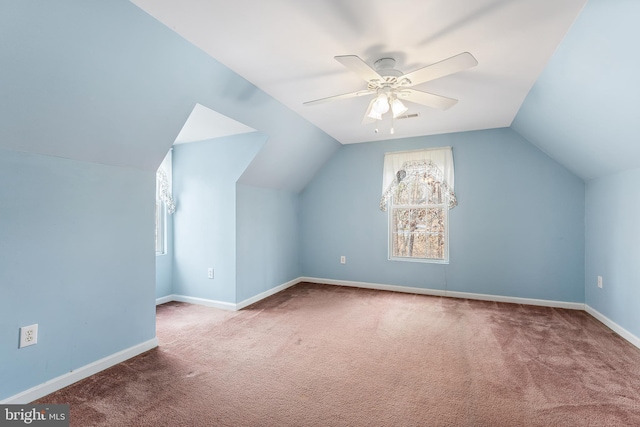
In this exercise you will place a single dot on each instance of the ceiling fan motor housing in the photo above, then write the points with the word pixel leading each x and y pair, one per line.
pixel 391 80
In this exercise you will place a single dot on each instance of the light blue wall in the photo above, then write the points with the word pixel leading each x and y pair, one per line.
pixel 204 187
pixel 105 83
pixel 613 248
pixel 267 239
pixel 518 229
pixel 76 257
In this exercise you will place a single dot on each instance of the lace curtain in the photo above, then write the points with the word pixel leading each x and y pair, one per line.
pixel 433 164
pixel 163 184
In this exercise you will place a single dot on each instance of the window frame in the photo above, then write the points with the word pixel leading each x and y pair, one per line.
pixel 161 228
pixel 161 240
pixel 390 231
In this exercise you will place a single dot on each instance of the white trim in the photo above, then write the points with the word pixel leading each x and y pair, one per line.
pixel 76 375
pixel 378 286
pixel 418 150
pixel 444 293
pixel 163 300
pixel 265 294
pixel 228 305
pixel 517 300
pixel 633 339
pixel 206 302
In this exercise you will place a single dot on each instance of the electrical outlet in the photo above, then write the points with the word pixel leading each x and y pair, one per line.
pixel 600 281
pixel 343 259
pixel 210 273
pixel 28 335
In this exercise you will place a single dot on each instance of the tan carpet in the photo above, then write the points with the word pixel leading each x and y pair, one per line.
pixel 317 355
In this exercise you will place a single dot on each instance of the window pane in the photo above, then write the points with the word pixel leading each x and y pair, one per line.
pixel 411 245
pixel 418 219
pixel 399 244
pixel 435 246
pixel 401 219
pixel 435 220
pixel 418 232
pixel 419 245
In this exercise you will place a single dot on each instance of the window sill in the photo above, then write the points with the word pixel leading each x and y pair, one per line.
pixel 422 260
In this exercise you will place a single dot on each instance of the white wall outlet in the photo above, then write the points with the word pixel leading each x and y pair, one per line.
pixel 210 273
pixel 343 259
pixel 600 281
pixel 28 335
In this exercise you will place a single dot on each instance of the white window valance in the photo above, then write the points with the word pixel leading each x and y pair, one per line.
pixel 435 163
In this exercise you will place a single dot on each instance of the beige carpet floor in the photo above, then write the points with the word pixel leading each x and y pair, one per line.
pixel 319 355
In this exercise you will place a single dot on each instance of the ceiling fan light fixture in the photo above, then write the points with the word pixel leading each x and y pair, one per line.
pixel 374 115
pixel 381 105
pixel 398 107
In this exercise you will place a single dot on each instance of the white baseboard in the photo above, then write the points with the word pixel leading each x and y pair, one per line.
pixel 206 302
pixel 76 375
pixel 613 326
pixel 268 293
pixel 163 300
pixel 444 293
pixel 377 286
pixel 228 305
pixel 517 300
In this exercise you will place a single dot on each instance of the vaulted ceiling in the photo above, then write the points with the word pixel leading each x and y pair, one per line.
pixel 561 73
pixel 583 110
pixel 107 82
pixel 287 49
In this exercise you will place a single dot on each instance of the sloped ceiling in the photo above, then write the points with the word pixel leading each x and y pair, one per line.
pixel 287 48
pixel 583 110
pixel 104 82
pixel 204 123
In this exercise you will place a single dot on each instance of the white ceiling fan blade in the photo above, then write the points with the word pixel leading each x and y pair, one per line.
pixel 443 68
pixel 358 66
pixel 337 97
pixel 429 99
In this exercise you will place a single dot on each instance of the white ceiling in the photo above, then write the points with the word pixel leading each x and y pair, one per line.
pixel 204 123
pixel 286 48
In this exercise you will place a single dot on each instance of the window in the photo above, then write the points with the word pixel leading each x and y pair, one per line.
pixel 419 199
pixel 161 228
pixel 164 203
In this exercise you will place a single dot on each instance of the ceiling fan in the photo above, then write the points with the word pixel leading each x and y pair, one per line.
pixel 392 86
